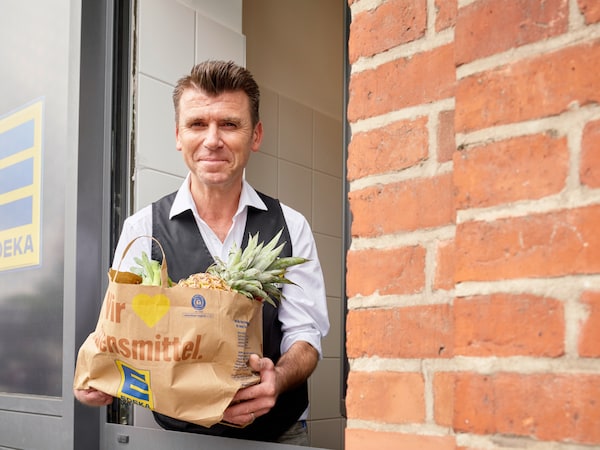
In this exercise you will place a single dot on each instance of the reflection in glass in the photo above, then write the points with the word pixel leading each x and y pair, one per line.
pixel 31 335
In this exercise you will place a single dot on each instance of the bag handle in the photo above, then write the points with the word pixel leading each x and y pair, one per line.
pixel 164 273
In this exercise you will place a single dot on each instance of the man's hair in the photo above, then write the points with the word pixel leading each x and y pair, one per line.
pixel 216 77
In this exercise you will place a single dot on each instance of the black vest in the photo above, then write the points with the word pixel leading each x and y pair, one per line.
pixel 186 253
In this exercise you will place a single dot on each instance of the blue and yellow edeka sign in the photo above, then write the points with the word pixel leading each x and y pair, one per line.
pixel 21 187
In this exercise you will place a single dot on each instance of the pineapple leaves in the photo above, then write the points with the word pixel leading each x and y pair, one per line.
pixel 257 271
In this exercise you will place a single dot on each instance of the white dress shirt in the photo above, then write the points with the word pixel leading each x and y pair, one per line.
pixel 303 312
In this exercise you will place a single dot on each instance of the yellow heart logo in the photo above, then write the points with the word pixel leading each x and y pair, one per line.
pixel 151 309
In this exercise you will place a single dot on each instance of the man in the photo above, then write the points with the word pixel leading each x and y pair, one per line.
pixel 217 128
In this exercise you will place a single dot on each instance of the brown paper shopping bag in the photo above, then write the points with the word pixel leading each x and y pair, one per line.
pixel 178 351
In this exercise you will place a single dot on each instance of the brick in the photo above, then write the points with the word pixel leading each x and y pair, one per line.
pixel 547 407
pixel 409 332
pixel 589 171
pixel 537 87
pixel 590 10
pixel 506 25
pixel 357 439
pixel 589 338
pixel 559 243
pixel 386 272
pixel 509 325
pixel 392 23
pixel 394 147
pixel 522 168
pixel 387 397
pixel 444 266
pixel 422 78
pixel 443 398
pixel 446 136
pixel 445 14
pixel 403 206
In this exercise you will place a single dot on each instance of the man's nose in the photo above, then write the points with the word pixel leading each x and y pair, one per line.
pixel 212 139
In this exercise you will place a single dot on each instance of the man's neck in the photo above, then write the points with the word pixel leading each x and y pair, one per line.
pixel 217 207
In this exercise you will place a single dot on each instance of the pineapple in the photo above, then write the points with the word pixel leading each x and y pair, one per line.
pixel 256 272
pixel 205 280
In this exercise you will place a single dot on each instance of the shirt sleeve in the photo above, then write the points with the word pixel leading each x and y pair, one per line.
pixel 303 310
pixel 139 225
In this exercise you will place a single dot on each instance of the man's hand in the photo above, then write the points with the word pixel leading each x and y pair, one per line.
pixel 254 401
pixel 92 397
pixel 294 367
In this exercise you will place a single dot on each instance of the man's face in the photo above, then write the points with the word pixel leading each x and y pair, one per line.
pixel 215 136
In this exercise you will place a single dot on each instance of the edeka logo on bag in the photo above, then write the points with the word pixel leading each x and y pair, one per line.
pixel 21 187
pixel 135 385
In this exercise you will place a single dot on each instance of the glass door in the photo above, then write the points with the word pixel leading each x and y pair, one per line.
pixel 39 50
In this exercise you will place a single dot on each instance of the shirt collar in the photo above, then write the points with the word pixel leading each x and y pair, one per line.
pixel 183 199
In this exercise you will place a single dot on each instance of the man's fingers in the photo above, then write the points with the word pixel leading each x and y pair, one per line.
pixel 259 364
pixel 255 363
pixel 93 397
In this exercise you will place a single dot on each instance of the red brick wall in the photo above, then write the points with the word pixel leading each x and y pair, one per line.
pixel 473 275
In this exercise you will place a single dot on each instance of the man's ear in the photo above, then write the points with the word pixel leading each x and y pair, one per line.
pixel 257 136
pixel 177 141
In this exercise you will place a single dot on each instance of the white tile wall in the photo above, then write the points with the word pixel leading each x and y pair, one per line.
pixel 269 115
pixel 166 39
pixel 221 11
pixel 295 132
pixel 328 145
pixel 151 185
pixel 325 390
pixel 327 204
pixel 332 347
pixel 230 45
pixel 330 255
pixel 262 171
pixel 328 433
pixel 156 147
pixel 294 187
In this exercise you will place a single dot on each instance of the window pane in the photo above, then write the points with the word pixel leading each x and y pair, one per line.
pixel 33 141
